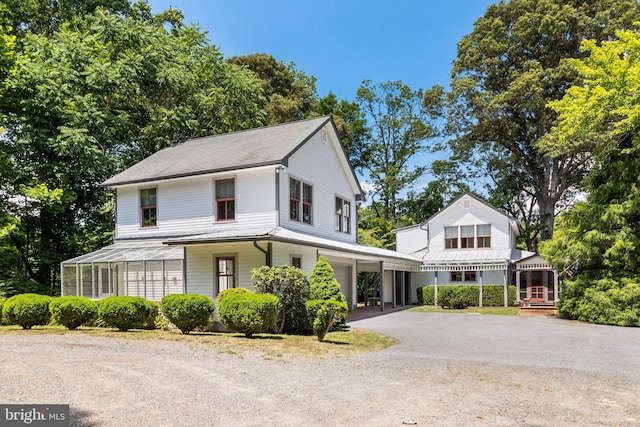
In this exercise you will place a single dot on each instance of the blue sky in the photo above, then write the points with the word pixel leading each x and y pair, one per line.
pixel 341 42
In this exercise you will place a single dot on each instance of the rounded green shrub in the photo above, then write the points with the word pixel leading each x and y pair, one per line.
pixel 223 294
pixel 455 297
pixel 188 311
pixel 324 315
pixel 27 310
pixel 248 313
pixel 72 311
pixel 125 312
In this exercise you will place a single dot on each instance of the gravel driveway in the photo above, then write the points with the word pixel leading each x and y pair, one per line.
pixel 449 369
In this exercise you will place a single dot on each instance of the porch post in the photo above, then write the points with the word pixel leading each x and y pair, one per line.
pixel 393 288
pixel 481 289
pixel 435 289
pixel 555 286
pixel 402 289
pixel 381 284
pixel 517 284
pixel 506 293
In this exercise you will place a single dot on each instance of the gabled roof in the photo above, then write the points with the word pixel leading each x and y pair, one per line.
pixel 271 145
pixel 454 201
pixel 473 196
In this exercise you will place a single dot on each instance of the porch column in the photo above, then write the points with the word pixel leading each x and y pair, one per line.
pixel 506 292
pixel 393 288
pixel 402 289
pixel 381 284
pixel 435 289
pixel 555 286
pixel 481 289
pixel 517 284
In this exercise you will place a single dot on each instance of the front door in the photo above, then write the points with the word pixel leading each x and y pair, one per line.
pixel 537 286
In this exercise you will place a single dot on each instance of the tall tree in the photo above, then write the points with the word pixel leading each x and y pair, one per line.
pixel 508 68
pixel 288 93
pixel 402 120
pixel 600 238
pixel 350 123
pixel 93 97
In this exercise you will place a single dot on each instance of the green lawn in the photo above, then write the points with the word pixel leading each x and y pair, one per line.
pixel 504 311
pixel 336 344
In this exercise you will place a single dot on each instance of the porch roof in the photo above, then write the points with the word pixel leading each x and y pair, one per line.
pixel 481 259
pixel 284 235
pixel 130 251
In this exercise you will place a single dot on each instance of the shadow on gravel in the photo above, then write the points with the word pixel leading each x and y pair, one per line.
pixel 81 418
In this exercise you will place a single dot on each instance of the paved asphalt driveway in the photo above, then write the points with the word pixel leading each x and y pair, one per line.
pixel 511 340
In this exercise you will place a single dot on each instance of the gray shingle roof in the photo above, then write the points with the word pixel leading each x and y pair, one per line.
pixel 218 153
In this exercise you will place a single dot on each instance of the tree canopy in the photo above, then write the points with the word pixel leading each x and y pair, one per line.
pixel 507 69
pixel 401 122
pixel 88 99
pixel 599 239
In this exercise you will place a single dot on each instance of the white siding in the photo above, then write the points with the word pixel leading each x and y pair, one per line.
pixel 282 253
pixel 477 213
pixel 411 240
pixel 186 206
pixel 201 267
pixel 318 163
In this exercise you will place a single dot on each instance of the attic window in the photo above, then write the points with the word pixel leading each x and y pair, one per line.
pixel 325 135
pixel 466 204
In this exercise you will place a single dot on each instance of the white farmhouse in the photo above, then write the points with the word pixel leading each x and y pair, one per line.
pixel 472 243
pixel 198 216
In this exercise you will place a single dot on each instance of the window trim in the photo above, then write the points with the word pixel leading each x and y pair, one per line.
pixel 216 271
pixel 460 242
pixel 484 236
pixel 141 208
pixel 295 256
pixel 301 202
pixel 340 218
pixel 225 199
pixel 463 276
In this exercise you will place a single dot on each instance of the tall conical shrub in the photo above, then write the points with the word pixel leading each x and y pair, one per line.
pixel 323 282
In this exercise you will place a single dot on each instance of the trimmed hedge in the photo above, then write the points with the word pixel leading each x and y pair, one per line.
pixel 73 311
pixel 492 295
pixel 223 294
pixel 457 297
pixel 324 315
pixel 125 312
pixel 248 313
pixel 188 311
pixel 27 310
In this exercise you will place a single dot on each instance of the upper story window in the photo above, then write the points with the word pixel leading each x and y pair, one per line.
pixel 343 215
pixel 451 237
pixel 467 237
pixel 148 208
pixel 225 199
pixel 484 236
pixel 300 201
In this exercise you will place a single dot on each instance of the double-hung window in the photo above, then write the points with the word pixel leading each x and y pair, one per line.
pixel 225 199
pixel 225 273
pixel 467 236
pixel 148 208
pixel 300 201
pixel 451 237
pixel 484 236
pixel 343 215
